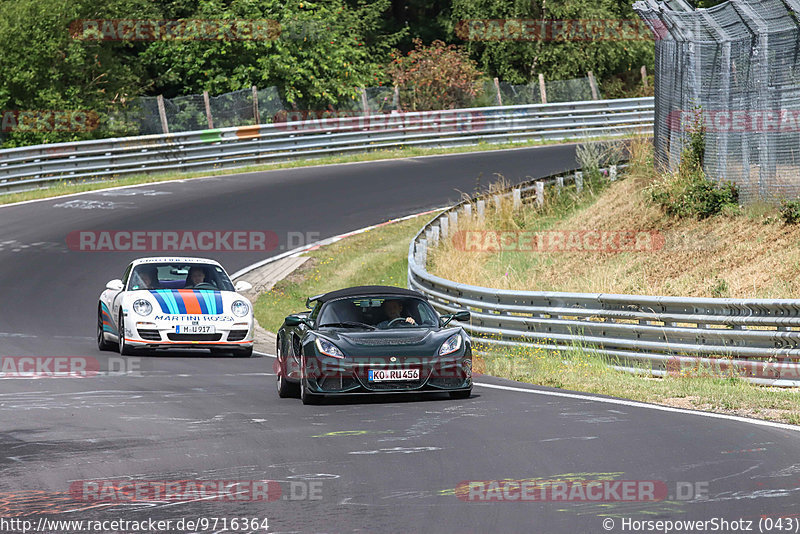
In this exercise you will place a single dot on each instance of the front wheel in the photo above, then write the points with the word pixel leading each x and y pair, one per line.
pixel 307 397
pixel 102 343
pixel 246 352
pixel 461 394
pixel 285 388
pixel 124 349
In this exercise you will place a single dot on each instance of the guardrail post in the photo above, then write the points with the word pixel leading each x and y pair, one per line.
pixel 435 236
pixel 481 205
pixel 612 173
pixel 579 181
pixel 468 211
pixel 540 194
pixel 444 224
pixel 517 203
pixel 498 202
pixel 560 183
pixel 423 252
pixel 454 220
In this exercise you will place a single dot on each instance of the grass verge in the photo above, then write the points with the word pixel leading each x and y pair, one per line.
pixel 379 256
pixel 742 252
pixel 72 187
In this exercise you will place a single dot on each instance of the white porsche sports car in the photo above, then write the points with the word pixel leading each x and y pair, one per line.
pixel 169 303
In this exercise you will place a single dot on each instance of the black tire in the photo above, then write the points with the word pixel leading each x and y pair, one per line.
pixel 102 343
pixel 246 352
pixel 461 394
pixel 124 349
pixel 307 397
pixel 286 389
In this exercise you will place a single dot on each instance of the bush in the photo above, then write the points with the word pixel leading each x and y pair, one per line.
pixel 790 211
pixel 688 192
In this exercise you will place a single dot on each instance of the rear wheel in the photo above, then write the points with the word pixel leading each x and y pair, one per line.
pixel 102 344
pixel 461 394
pixel 124 349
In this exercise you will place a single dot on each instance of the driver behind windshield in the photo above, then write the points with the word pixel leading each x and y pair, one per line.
pixel 197 276
pixel 394 310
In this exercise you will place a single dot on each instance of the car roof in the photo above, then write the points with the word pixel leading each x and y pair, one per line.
pixel 173 259
pixel 367 291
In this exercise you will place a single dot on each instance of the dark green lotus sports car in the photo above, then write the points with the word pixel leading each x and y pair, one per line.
pixel 372 339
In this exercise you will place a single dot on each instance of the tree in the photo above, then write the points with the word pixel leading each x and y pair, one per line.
pixel 438 76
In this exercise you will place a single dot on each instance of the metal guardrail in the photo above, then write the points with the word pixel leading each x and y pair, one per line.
pixel 230 148
pixel 758 339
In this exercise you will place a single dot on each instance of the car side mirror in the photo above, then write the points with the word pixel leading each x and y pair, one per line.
pixel 461 316
pixel 115 285
pixel 293 320
pixel 241 285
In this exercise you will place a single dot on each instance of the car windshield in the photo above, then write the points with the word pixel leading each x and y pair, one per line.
pixel 377 313
pixel 203 276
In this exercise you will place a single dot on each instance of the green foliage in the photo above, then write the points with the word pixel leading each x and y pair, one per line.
pixel 438 76
pixel 521 61
pixel 688 192
pixel 790 211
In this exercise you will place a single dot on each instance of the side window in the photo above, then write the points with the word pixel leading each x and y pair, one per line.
pixel 127 274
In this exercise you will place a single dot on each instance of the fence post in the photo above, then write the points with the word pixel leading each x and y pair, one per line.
pixel 162 113
pixel 396 98
pixel 540 193
pixel 593 85
pixel 497 92
pixel 579 181
pixel 612 173
pixel 364 102
pixel 207 103
pixel 644 75
pixel 255 105
pixel 542 88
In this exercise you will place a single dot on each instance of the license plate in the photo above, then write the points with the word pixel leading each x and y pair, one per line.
pixel 390 375
pixel 194 329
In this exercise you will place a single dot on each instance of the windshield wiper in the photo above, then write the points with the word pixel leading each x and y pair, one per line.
pixel 351 324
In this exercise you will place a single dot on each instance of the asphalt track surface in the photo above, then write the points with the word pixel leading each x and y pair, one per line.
pixel 385 464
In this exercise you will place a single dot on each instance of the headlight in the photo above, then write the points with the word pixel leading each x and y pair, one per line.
pixel 142 307
pixel 329 349
pixel 452 344
pixel 240 308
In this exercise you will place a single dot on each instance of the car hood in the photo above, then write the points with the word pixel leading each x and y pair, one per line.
pixel 398 340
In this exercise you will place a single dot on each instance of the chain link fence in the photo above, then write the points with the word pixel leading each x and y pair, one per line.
pixel 733 69
pixel 188 113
